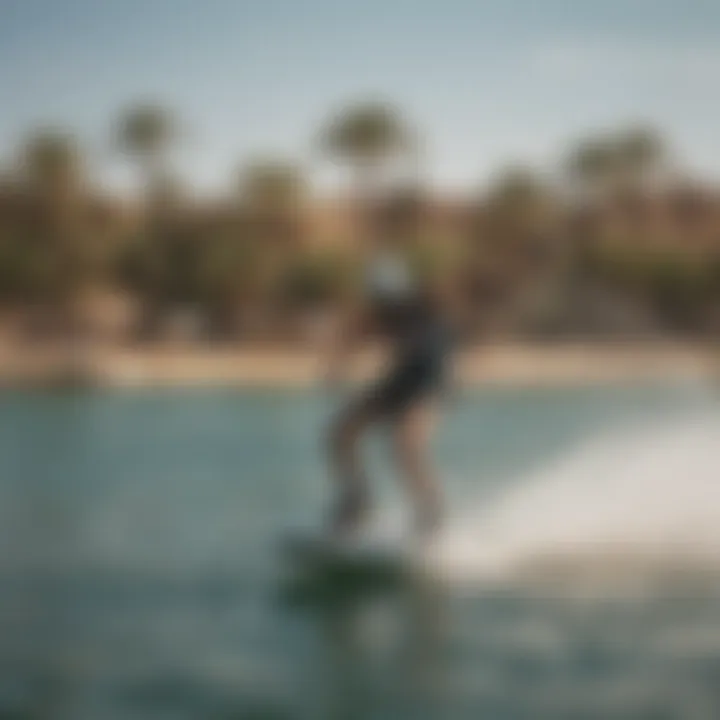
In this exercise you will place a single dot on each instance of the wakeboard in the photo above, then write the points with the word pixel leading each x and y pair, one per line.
pixel 317 553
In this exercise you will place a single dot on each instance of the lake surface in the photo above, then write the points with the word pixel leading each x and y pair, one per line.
pixel 140 578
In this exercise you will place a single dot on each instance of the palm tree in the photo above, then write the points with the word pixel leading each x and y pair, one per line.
pixel 366 137
pixel 271 193
pixel 146 133
pixel 593 163
pixel 623 160
pixel 641 152
pixel 56 252
pixel 52 171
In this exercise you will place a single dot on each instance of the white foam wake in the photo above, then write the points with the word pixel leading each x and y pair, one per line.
pixel 642 506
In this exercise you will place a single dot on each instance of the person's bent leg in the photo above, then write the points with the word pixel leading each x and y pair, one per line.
pixel 353 502
pixel 413 431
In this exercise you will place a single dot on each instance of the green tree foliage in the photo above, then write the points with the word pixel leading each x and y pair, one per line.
pixel 249 253
pixel 519 196
pixel 593 162
pixel 641 152
pixel 147 132
pixel 51 164
pixel 621 160
pixel 317 277
pixel 366 136
pixel 519 222
pixel 678 283
pixel 49 250
pixel 272 186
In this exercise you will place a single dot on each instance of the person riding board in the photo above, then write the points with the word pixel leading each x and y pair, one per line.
pixel 407 299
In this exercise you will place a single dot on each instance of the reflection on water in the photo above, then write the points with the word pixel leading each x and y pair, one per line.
pixel 155 591
pixel 214 648
pixel 381 646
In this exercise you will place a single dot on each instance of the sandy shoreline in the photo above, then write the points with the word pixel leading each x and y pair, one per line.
pixel 497 364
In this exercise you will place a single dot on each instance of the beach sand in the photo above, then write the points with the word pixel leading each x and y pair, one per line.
pixel 501 364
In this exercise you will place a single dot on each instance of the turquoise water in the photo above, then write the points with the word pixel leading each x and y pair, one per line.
pixel 140 576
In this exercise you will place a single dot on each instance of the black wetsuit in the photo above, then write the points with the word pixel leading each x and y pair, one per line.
pixel 421 340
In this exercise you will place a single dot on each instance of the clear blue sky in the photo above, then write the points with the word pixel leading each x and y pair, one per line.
pixel 487 82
